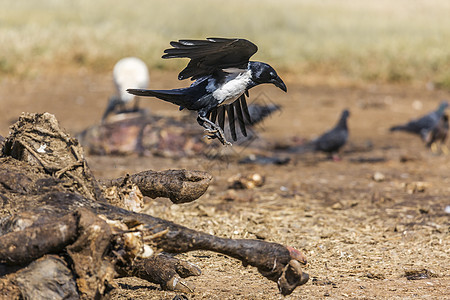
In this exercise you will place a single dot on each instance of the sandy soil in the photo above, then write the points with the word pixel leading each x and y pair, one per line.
pixel 361 236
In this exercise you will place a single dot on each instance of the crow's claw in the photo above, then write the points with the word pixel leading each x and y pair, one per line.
pixel 213 130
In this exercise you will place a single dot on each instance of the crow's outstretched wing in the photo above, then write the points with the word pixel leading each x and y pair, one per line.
pixel 210 55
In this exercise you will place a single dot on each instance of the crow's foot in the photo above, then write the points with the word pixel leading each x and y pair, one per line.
pixel 213 130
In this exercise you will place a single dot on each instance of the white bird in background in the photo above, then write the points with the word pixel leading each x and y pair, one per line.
pixel 129 72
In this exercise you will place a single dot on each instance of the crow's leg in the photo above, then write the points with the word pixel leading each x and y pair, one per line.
pixel 213 130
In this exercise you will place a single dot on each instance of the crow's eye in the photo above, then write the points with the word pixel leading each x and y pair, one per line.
pixel 272 74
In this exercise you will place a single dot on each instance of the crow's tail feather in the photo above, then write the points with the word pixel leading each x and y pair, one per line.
pixel 176 96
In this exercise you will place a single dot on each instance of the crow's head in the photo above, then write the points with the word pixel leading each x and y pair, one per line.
pixel 263 73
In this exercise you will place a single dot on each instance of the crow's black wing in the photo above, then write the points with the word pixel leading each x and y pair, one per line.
pixel 221 116
pixel 213 115
pixel 230 111
pixel 245 110
pixel 236 110
pixel 210 55
pixel 240 117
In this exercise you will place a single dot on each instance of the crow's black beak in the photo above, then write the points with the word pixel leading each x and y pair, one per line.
pixel 279 83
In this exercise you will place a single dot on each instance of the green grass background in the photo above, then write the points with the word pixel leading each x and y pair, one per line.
pixel 372 40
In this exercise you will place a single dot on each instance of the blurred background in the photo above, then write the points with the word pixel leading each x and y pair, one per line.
pixel 383 40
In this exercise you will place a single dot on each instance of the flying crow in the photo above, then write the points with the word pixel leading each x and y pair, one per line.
pixel 223 75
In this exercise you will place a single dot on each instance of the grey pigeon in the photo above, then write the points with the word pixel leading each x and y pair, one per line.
pixel 331 141
pixel 423 126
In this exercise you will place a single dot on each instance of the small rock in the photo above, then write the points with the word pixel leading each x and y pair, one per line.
pixel 417 105
pixel 378 177
pixel 284 189
pixel 337 206
pixel 447 209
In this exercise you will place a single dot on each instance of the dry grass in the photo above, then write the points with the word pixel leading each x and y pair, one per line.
pixel 360 40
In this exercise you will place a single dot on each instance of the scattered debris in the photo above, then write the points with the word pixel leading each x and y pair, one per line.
pixel 180 297
pixel 129 196
pixel 416 187
pixel 370 160
pixel 375 276
pixel 250 181
pixel 407 158
pixel 419 274
pixel 323 282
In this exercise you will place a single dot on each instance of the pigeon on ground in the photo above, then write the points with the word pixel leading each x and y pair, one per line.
pixel 424 125
pixel 331 141
pixel 223 75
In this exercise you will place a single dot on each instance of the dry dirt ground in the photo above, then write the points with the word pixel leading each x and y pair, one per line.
pixel 361 236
